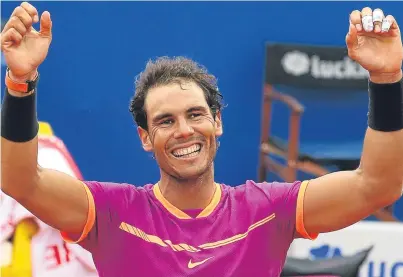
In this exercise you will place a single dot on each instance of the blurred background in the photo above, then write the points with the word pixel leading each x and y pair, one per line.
pixel 281 65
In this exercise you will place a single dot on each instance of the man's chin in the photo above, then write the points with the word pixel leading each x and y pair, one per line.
pixel 189 173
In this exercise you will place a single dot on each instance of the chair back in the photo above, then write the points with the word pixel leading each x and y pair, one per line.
pixel 331 87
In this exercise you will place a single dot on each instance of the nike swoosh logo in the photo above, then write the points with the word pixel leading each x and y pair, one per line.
pixel 193 265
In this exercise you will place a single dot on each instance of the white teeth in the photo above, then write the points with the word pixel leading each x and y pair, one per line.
pixel 188 151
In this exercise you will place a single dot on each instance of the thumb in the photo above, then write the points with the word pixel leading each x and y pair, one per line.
pixel 351 37
pixel 46 24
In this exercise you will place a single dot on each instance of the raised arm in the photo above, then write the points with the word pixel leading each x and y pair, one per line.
pixel 337 200
pixel 54 197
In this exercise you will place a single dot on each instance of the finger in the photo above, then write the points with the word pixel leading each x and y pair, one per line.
pixel 31 10
pixel 377 18
pixel 387 23
pixel 393 22
pixel 351 39
pixel 9 23
pixel 9 37
pixel 355 19
pixel 24 16
pixel 17 24
pixel 366 18
pixel 46 24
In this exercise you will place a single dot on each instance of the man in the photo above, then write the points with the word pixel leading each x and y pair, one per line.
pixel 187 224
pixel 30 247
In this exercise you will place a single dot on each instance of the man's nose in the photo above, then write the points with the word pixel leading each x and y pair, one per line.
pixel 183 130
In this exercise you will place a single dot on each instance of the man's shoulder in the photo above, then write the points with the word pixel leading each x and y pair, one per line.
pixel 265 187
pixel 262 199
pixel 272 192
pixel 113 190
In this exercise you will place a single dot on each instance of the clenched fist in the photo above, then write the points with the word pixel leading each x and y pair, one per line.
pixel 374 41
pixel 25 48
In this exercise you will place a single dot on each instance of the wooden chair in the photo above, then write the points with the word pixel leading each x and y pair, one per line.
pixel 288 157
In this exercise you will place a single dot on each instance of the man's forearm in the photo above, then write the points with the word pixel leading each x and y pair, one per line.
pixel 382 163
pixel 382 158
pixel 18 158
pixel 19 169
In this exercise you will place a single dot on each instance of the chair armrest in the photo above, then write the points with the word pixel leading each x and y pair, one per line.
pixel 290 101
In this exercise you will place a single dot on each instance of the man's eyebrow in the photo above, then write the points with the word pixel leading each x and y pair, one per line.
pixel 162 116
pixel 159 117
pixel 197 108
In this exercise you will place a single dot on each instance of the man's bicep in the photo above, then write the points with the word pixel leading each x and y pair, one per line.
pixel 59 200
pixel 105 201
pixel 334 201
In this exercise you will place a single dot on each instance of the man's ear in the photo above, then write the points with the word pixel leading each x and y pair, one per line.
pixel 145 139
pixel 218 125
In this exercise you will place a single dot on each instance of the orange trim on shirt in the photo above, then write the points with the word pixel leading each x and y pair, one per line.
pixel 182 215
pixel 213 204
pixel 300 226
pixel 90 219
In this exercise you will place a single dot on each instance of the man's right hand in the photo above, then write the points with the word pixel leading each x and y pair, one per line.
pixel 25 48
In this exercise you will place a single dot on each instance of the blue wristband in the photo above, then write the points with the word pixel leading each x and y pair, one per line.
pixel 385 106
pixel 19 121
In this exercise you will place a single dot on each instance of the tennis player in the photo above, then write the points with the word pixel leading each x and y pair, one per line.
pixel 187 224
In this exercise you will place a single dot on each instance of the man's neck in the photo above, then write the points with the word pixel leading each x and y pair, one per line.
pixel 188 194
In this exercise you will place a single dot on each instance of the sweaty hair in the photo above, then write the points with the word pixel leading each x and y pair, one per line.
pixel 165 71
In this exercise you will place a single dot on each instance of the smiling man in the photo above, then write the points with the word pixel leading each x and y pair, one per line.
pixel 188 224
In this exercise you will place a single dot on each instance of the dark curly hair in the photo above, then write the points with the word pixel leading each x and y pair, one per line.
pixel 164 71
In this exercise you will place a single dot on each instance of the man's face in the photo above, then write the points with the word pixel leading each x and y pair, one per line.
pixel 181 129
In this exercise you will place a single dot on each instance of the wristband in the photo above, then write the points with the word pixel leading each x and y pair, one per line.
pixel 386 106
pixel 19 121
pixel 21 87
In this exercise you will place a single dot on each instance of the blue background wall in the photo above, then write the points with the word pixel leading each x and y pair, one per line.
pixel 99 47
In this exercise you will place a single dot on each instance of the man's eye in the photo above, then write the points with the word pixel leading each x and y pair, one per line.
pixel 167 122
pixel 195 115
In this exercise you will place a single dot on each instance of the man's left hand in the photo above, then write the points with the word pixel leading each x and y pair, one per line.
pixel 374 41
